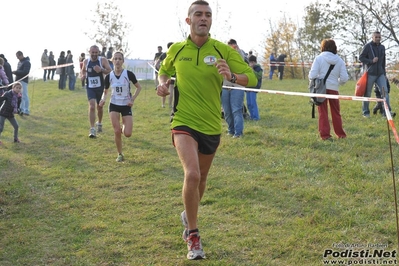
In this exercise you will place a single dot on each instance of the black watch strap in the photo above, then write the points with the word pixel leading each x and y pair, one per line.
pixel 233 78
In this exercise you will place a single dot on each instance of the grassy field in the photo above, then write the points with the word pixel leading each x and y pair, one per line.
pixel 278 196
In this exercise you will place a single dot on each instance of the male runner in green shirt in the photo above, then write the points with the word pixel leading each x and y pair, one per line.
pixel 200 64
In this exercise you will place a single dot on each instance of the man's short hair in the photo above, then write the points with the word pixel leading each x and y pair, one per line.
pixel 252 58
pixel 232 41
pixel 199 2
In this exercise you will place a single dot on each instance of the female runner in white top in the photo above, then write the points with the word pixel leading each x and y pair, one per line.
pixel 121 100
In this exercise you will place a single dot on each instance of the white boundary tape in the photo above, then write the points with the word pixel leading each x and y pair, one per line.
pixel 50 67
pixel 327 96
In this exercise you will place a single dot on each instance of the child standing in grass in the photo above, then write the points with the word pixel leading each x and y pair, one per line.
pixel 9 105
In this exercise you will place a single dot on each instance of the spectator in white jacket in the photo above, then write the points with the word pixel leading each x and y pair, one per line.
pixel 338 76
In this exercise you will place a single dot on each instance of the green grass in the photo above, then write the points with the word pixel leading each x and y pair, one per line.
pixel 279 196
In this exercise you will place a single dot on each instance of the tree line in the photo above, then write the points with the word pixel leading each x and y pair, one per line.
pixel 349 23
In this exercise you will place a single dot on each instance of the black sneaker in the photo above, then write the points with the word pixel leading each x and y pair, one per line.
pixel 377 107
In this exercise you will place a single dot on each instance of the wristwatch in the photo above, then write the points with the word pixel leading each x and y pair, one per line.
pixel 233 78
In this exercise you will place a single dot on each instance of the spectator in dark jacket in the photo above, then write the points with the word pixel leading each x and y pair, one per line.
pixel 52 63
pixel 281 64
pixel 272 61
pixel 61 71
pixel 373 56
pixel 251 95
pixel 110 52
pixel 9 104
pixel 22 75
pixel 7 69
pixel 70 72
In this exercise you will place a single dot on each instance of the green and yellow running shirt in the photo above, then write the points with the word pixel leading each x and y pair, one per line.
pixel 199 85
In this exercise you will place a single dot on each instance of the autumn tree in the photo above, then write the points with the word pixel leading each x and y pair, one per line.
pixel 110 28
pixel 318 25
pixel 281 40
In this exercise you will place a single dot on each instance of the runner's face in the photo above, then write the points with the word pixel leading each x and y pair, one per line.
pixel 94 53
pixel 200 20
pixel 117 60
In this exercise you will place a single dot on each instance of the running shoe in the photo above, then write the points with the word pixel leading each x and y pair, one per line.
pixel 120 158
pixel 99 127
pixel 194 247
pixel 92 133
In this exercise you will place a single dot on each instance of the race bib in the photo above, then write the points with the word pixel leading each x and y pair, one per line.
pixel 94 82
pixel 120 90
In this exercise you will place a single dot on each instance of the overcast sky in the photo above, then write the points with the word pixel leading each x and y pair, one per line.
pixel 33 26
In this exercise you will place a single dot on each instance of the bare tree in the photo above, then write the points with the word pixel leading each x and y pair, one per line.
pixel 352 26
pixel 386 13
pixel 111 29
pixel 357 19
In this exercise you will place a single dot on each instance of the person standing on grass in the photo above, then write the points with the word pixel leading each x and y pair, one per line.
pixel 373 56
pixel 157 64
pixel 233 102
pixel 7 69
pixel 338 76
pixel 9 104
pixel 121 100
pixel 280 59
pixel 93 70
pixel 52 63
pixel 251 95
pixel 22 75
pixel 82 58
pixel 272 61
pixel 70 72
pixel 61 71
pixel 104 51
pixel 357 66
pixel 109 57
pixel 196 125
pixel 45 64
pixel 3 77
